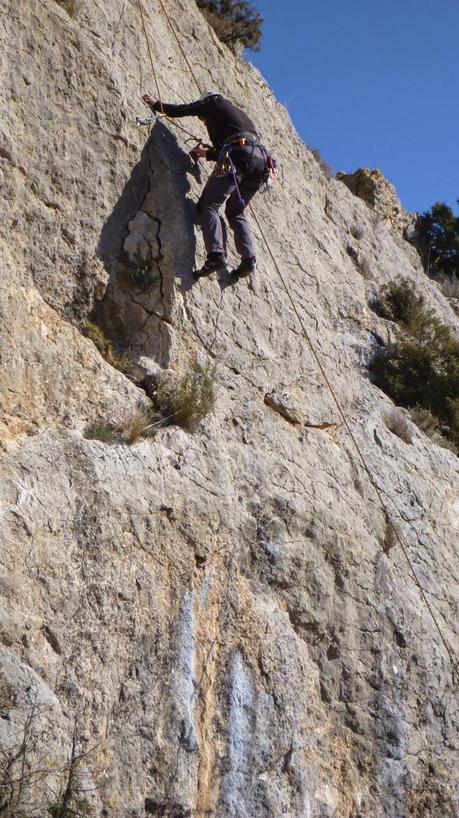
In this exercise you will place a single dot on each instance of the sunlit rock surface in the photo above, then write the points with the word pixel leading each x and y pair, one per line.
pixel 216 618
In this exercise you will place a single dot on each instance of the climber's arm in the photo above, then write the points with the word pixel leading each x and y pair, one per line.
pixel 197 108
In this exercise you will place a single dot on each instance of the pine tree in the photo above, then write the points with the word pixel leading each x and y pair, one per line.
pixel 235 22
pixel 438 240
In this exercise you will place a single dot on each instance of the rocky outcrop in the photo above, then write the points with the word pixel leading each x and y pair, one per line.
pixel 381 196
pixel 214 623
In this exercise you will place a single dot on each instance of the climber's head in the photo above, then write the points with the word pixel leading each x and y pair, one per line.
pixel 211 93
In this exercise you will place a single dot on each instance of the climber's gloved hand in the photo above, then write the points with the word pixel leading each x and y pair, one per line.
pixel 148 99
pixel 199 152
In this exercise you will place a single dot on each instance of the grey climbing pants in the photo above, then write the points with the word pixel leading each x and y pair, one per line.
pixel 250 165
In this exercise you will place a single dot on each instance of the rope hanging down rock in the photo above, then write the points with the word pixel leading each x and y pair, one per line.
pixel 453 661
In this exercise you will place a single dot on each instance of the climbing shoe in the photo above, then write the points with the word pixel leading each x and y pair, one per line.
pixel 246 267
pixel 213 262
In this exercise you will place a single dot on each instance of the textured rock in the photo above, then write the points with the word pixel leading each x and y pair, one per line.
pixel 381 196
pixel 220 611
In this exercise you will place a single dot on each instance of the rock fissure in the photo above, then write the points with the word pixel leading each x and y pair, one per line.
pixel 217 605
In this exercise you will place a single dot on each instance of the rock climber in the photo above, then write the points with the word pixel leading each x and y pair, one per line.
pixel 240 170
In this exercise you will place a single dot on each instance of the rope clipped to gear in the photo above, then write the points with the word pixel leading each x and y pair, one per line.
pixel 453 661
pixel 143 120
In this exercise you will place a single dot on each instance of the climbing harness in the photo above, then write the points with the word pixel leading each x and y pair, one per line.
pixel 226 167
pixel 270 173
pixel 378 491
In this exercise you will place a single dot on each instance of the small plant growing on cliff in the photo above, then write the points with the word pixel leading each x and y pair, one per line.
pixel 100 431
pixel 71 803
pixel 235 22
pixel 190 398
pixel 106 348
pixel 429 424
pixel 327 169
pixel 138 424
pixel 420 368
pixel 399 302
pixel 68 5
pixel 140 274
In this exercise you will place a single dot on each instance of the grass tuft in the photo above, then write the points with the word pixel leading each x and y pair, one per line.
pixel 69 6
pixel 137 425
pixel 106 348
pixel 98 431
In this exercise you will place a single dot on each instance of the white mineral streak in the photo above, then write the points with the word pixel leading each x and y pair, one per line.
pixel 215 612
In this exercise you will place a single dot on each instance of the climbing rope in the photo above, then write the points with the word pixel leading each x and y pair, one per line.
pixel 452 659
pixel 358 449
pixel 182 51
pixel 173 121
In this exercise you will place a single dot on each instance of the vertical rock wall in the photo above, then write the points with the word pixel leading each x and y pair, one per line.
pixel 213 621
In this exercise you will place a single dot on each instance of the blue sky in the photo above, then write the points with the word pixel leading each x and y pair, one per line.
pixel 371 83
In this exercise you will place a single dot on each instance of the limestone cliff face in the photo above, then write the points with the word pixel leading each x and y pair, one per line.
pixel 215 621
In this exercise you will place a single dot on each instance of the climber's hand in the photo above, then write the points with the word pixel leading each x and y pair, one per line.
pixel 148 99
pixel 198 152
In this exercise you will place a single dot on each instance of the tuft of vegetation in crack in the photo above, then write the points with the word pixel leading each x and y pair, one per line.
pixel 187 400
pixel 139 274
pixel 420 367
pixel 106 347
pixel 138 424
pixel 325 166
pixel 68 5
pixel 101 431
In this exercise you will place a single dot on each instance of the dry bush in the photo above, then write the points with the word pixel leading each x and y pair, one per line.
pixel 188 399
pixel 106 348
pixel 327 169
pixel 138 424
pixel 429 424
pixel 364 265
pixel 397 423
pixel 449 286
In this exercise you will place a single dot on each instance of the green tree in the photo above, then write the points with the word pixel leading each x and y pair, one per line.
pixel 438 240
pixel 235 22
pixel 420 367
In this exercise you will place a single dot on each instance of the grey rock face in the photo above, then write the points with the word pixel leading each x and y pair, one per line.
pixel 381 196
pixel 218 613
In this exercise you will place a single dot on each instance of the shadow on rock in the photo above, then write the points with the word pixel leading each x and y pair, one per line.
pixel 146 243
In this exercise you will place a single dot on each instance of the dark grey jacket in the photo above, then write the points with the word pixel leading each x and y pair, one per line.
pixel 222 119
